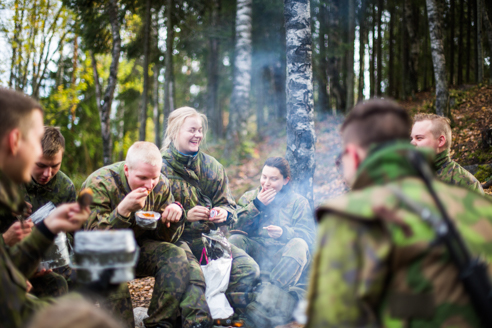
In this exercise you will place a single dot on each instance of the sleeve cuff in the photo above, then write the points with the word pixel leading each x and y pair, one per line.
pixel 259 205
pixel 45 231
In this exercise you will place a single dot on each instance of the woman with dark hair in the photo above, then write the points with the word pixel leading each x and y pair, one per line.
pixel 277 225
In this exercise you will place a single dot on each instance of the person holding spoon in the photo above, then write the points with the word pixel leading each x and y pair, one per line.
pixel 276 225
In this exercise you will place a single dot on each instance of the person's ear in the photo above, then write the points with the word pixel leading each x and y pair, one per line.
pixel 286 181
pixel 442 141
pixel 125 167
pixel 13 141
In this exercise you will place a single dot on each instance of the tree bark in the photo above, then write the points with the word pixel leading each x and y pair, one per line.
pixel 349 103
pixel 372 59
pixel 213 110
pixel 379 50
pixel 451 41
pixel 468 40
pixel 323 98
pixel 479 11
pixel 156 111
pixel 169 75
pixel 145 93
pixel 411 21
pixel 460 44
pixel 403 53
pixel 391 63
pixel 300 125
pixel 240 106
pixel 488 28
pixel 362 44
pixel 438 59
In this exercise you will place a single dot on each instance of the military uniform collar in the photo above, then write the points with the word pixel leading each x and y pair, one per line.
pixel 120 171
pixel 387 163
pixel 32 187
pixel 442 160
pixel 189 161
pixel 10 196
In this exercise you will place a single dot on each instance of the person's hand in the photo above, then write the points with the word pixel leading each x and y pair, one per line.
pixel 171 214
pixel 198 213
pixel 41 273
pixel 17 232
pixel 67 218
pixel 133 202
pixel 221 215
pixel 28 210
pixel 266 196
pixel 29 286
pixel 274 231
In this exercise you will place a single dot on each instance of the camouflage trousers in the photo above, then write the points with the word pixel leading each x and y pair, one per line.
pixel 284 263
pixel 179 290
pixel 49 285
pixel 244 272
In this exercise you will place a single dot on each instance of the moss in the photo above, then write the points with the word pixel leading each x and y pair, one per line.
pixel 484 172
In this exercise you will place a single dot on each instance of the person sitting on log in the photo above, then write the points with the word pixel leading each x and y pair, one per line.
pixel 120 190
pixel 278 225
pixel 434 131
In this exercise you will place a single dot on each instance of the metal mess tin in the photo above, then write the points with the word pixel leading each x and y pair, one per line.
pixel 147 219
pixel 96 251
pixel 57 255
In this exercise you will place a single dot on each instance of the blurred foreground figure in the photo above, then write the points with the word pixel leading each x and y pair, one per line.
pixel 122 189
pixel 376 264
pixel 73 313
pixel 21 129
pixel 434 132
pixel 278 225
pixel 200 183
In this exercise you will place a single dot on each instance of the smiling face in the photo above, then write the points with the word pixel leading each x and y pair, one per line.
pixel 190 135
pixel 422 136
pixel 271 178
pixel 143 175
pixel 47 167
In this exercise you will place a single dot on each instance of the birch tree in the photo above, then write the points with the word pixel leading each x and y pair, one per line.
pixel 240 106
pixel 300 104
pixel 438 60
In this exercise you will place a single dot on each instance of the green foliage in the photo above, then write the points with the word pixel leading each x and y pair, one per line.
pixel 484 172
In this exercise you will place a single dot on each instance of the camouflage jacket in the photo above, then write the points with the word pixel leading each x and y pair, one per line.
pixel 289 210
pixel 110 186
pixel 209 174
pixel 17 262
pixel 59 190
pixel 375 265
pixel 451 172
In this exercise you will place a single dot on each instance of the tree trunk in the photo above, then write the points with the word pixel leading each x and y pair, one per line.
pixel 323 98
pixel 145 93
pixel 438 59
pixel 349 103
pixel 468 40
pixel 169 75
pixel 362 42
pixel 240 109
pixel 460 44
pixel 451 42
pixel 372 59
pixel 104 104
pixel 379 50
pixel 403 53
pixel 479 11
pixel 157 112
pixel 488 28
pixel 391 72
pixel 300 125
pixel 213 110
pixel 411 21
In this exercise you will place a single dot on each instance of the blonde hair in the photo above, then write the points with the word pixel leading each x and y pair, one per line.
pixel 143 151
pixel 72 313
pixel 175 122
pixel 441 126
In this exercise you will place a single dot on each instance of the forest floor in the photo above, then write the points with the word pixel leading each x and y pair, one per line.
pixel 472 111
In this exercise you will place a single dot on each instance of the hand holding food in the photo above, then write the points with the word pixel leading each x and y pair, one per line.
pixel 133 202
pixel 274 231
pixel 198 213
pixel 219 215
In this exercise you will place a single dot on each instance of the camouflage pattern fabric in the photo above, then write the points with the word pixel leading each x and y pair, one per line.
pixel 285 257
pixel 210 175
pixel 17 262
pixel 451 172
pixel 159 257
pixel 375 265
pixel 59 190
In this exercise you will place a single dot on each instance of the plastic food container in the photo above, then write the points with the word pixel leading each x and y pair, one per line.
pixel 96 251
pixel 147 219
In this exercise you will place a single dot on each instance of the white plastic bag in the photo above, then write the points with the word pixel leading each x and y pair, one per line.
pixel 217 273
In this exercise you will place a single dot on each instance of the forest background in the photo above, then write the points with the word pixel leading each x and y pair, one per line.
pixel 108 73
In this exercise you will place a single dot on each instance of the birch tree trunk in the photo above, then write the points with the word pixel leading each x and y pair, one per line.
pixel 488 28
pixel 240 108
pixel 300 105
pixel 438 60
pixel 145 93
pixel 169 75
pixel 104 104
pixel 480 9
pixel 350 56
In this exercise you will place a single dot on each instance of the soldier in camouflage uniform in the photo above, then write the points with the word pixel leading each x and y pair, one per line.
pixel 434 131
pixel 200 183
pixel 120 190
pixel 376 265
pixel 49 184
pixel 279 225
pixel 21 120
